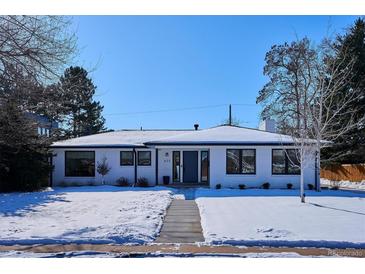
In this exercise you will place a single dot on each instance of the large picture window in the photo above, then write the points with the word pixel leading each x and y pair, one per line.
pixel 144 158
pixel 80 163
pixel 241 161
pixel 285 161
pixel 126 158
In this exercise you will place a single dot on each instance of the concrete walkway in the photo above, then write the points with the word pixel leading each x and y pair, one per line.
pixel 181 224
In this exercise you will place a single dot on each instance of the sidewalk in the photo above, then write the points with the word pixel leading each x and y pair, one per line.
pixel 184 250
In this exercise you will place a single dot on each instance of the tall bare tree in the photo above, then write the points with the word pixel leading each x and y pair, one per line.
pixel 314 99
pixel 40 46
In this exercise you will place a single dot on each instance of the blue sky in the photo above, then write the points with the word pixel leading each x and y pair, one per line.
pixel 155 63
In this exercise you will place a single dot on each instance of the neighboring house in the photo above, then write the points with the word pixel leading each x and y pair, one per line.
pixel 226 155
pixel 44 124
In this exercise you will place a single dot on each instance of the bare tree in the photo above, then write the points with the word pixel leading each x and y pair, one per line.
pixel 303 92
pixel 40 46
pixel 322 110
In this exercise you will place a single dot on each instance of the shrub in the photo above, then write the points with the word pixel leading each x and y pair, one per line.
pixel 122 181
pixel 335 187
pixel 218 186
pixel 103 169
pixel 289 186
pixel 241 186
pixel 266 185
pixel 310 186
pixel 142 182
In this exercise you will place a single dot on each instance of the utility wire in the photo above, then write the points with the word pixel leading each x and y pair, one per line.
pixel 176 109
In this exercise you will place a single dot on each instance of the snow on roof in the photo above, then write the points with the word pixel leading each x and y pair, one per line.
pixel 120 138
pixel 225 135
pixel 212 136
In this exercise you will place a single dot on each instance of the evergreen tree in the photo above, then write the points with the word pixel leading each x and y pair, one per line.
pixel 24 164
pixel 351 48
pixel 83 114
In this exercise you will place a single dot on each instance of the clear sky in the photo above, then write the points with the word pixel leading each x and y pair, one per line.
pixel 156 63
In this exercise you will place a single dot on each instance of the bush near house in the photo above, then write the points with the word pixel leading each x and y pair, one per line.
pixel 241 186
pixel 289 186
pixel 122 181
pixel 142 182
pixel 266 185
pixel 310 186
pixel 218 186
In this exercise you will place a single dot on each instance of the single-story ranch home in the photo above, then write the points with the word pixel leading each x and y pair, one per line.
pixel 226 155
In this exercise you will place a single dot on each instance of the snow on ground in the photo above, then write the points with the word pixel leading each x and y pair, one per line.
pixel 277 218
pixel 97 214
pixel 343 184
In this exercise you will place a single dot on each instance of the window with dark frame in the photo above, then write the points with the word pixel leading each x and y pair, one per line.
pixel 80 163
pixel 176 166
pixel 126 158
pixel 204 174
pixel 144 158
pixel 285 162
pixel 241 161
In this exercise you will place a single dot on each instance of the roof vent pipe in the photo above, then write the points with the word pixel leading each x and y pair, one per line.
pixel 196 126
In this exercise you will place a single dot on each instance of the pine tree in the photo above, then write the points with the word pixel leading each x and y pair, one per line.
pixel 83 114
pixel 351 146
pixel 24 164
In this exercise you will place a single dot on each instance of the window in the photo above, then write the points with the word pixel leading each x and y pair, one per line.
pixel 144 158
pixel 241 161
pixel 204 166
pixel 285 161
pixel 80 163
pixel 126 158
pixel 176 166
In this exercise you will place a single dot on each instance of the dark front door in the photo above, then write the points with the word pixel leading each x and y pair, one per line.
pixel 190 166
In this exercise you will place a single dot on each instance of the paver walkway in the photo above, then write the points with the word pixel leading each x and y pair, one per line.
pixel 181 224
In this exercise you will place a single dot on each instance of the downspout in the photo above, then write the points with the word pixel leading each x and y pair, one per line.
pixel 135 166
pixel 51 172
pixel 156 165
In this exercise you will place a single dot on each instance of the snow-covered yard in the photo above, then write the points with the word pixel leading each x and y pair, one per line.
pixel 99 214
pixel 277 218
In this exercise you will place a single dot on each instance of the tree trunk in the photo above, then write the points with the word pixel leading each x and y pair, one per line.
pixel 302 196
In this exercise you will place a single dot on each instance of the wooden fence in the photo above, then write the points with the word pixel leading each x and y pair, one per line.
pixel 353 173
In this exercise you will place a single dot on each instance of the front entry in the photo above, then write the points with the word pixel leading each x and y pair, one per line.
pixel 190 166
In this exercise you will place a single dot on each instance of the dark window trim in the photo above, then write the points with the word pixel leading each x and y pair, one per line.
pixel 201 176
pixel 286 162
pixel 120 155
pixel 240 161
pixel 93 151
pixel 149 157
pixel 173 163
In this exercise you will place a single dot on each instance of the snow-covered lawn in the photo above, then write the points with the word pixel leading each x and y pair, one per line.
pixel 277 218
pixel 98 214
